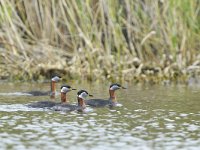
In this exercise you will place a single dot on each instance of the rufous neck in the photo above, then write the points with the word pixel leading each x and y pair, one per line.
pixel 53 89
pixel 81 103
pixel 112 96
pixel 63 98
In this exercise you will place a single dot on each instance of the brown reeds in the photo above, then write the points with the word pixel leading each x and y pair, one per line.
pixel 99 39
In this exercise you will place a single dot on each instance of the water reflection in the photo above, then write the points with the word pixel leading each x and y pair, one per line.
pixel 151 118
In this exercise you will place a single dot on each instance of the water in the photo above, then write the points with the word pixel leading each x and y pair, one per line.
pixel 151 118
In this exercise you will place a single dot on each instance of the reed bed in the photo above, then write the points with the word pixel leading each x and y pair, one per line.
pixel 140 40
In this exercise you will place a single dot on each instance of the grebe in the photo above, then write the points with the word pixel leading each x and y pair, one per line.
pixel 81 97
pixel 110 102
pixel 48 104
pixel 52 93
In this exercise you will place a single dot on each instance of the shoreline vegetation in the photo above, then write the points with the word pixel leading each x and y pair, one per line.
pixel 116 40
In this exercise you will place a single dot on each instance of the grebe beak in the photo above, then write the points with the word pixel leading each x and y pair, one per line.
pixel 123 87
pixel 73 89
pixel 90 95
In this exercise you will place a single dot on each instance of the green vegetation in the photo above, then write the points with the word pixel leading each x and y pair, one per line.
pixel 140 40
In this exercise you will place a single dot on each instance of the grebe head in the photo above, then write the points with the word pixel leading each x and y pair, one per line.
pixel 66 88
pixel 56 78
pixel 83 94
pixel 116 86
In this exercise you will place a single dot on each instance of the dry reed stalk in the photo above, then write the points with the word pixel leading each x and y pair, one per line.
pixel 99 38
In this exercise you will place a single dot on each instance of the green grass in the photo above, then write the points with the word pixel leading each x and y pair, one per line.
pixel 99 39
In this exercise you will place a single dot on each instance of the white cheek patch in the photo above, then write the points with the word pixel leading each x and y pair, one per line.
pixel 83 95
pixel 114 87
pixel 56 79
pixel 65 90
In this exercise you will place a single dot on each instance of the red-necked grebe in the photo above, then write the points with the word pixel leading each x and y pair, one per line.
pixel 52 93
pixel 81 97
pixel 48 104
pixel 110 102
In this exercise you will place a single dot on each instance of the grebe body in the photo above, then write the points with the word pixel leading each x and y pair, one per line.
pixel 48 104
pixel 103 102
pixel 81 97
pixel 43 104
pixel 52 92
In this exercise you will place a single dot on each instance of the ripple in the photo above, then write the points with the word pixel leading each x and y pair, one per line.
pixel 149 122
pixel 183 115
pixel 18 107
pixel 15 94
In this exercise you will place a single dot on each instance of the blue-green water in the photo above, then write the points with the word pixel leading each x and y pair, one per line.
pixel 152 117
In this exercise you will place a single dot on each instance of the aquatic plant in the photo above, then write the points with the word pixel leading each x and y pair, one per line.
pixel 137 40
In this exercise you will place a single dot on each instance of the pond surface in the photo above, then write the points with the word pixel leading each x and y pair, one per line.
pixel 152 117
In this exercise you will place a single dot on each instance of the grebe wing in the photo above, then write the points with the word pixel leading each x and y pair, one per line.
pixel 97 102
pixel 65 107
pixel 39 93
pixel 42 104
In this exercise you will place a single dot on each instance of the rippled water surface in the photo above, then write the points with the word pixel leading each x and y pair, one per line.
pixel 152 117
